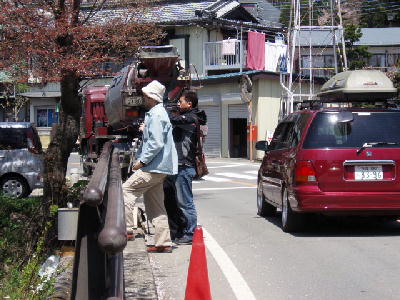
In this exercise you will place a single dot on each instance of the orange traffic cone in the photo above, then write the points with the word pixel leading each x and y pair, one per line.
pixel 198 286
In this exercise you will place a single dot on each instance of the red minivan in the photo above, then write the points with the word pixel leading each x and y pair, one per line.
pixel 331 161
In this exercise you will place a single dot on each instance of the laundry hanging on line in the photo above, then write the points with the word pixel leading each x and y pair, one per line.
pixel 255 50
pixel 274 53
pixel 229 47
pixel 283 64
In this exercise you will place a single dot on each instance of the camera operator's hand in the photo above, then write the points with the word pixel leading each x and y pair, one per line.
pixel 141 127
pixel 130 129
pixel 138 165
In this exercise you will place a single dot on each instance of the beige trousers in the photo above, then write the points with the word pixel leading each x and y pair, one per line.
pixel 150 185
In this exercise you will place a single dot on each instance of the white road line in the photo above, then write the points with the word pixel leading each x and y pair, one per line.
pixel 231 165
pixel 226 166
pixel 228 162
pixel 239 286
pixel 227 188
pixel 252 172
pixel 236 175
pixel 215 179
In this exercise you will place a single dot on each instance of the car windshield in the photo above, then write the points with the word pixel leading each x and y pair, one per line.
pixel 366 127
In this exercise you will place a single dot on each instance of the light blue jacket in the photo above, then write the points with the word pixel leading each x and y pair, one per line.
pixel 158 150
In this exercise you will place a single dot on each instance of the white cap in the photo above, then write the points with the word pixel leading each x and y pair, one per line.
pixel 155 90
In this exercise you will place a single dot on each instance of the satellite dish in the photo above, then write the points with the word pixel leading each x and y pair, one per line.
pixel 246 88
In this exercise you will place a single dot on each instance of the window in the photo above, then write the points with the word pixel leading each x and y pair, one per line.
pixel 13 138
pixel 383 61
pixel 45 117
pixel 325 132
pixel 393 59
pixel 323 65
pixel 300 122
pixel 282 136
pixel 378 61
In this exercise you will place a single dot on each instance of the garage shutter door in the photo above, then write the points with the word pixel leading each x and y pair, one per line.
pixel 212 146
pixel 238 111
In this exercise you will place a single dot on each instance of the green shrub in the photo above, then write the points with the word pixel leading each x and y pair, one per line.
pixel 23 232
pixel 22 282
pixel 27 238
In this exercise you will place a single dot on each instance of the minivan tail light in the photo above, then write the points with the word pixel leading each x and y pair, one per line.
pixel 305 172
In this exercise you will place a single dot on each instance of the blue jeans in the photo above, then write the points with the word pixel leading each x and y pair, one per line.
pixel 183 184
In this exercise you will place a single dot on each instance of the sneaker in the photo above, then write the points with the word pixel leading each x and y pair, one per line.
pixel 130 236
pixel 159 249
pixel 183 241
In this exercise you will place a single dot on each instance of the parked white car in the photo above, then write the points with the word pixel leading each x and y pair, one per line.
pixel 21 159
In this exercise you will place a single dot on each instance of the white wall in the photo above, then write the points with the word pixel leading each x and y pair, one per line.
pixel 198 36
pixel 266 97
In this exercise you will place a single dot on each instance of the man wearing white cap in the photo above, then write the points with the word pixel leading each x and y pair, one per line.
pixel 156 158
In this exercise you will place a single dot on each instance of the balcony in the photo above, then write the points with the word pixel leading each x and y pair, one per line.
pixel 216 56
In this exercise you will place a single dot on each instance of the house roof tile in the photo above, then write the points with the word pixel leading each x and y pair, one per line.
pixel 264 11
pixel 181 12
pixel 370 37
pixel 169 11
pixel 380 36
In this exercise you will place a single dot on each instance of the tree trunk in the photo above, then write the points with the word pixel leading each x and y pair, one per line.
pixel 63 138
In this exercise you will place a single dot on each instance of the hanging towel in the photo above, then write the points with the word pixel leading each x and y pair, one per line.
pixel 255 50
pixel 273 53
pixel 229 47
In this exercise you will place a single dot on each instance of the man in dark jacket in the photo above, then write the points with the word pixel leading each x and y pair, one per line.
pixel 185 126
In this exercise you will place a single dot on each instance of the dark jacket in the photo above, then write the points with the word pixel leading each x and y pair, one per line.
pixel 185 134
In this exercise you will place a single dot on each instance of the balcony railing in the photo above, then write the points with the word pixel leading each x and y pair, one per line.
pixel 215 57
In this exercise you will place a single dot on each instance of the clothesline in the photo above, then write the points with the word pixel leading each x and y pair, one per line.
pixel 265 55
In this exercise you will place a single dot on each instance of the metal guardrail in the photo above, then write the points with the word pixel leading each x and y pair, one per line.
pixel 94 192
pixel 112 238
pixel 101 237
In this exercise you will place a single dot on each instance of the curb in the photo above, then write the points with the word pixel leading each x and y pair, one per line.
pixel 138 274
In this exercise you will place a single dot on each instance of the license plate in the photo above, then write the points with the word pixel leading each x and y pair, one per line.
pixel 368 172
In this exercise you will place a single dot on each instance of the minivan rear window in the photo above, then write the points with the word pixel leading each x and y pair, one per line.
pixel 366 127
pixel 13 138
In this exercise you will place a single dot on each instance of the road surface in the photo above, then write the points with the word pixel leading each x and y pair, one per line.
pixel 250 257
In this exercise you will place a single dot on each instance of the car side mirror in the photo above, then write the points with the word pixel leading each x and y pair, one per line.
pixel 262 145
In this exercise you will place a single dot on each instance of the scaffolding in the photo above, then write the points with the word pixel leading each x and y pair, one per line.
pixel 302 69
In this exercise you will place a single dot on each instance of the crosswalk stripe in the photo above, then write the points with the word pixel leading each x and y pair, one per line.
pixel 251 172
pixel 237 175
pixel 224 189
pixel 230 165
pixel 215 179
pixel 226 166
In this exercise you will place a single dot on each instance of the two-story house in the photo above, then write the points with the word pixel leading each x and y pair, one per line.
pixel 212 38
pixel 203 31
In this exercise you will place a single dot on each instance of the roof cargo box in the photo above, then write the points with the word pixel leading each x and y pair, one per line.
pixel 358 85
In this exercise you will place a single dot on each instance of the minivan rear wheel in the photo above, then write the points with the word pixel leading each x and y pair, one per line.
pixel 264 209
pixel 14 186
pixel 291 221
